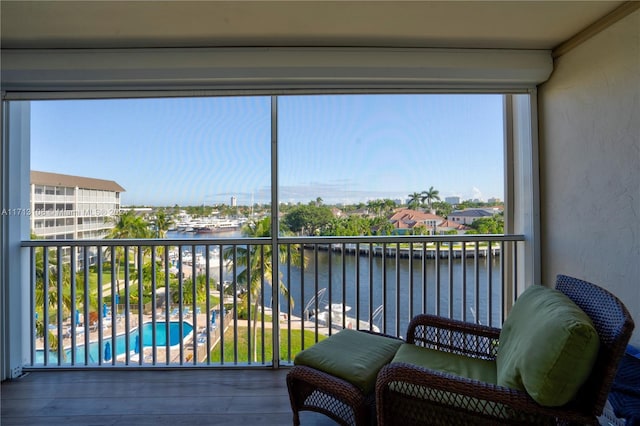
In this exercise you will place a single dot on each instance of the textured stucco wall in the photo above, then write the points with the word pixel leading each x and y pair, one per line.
pixel 589 115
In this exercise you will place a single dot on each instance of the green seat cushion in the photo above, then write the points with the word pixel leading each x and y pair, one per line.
pixel 351 355
pixel 548 346
pixel 446 362
pixel 458 365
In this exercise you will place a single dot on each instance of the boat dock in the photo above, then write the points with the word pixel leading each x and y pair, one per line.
pixel 431 251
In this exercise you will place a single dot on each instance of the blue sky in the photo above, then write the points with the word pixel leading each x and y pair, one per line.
pixel 341 148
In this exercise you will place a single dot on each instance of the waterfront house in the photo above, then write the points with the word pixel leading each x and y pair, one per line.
pixel 410 219
pixel 449 225
pixel 468 216
pixel 569 73
pixel 429 223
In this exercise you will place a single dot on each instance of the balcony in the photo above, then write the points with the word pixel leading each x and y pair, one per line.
pixel 323 285
pixel 188 397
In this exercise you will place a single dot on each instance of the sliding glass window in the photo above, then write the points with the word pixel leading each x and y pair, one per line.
pixel 389 164
pixel 202 163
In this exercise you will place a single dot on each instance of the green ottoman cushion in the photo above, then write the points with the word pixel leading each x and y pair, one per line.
pixel 351 355
pixel 548 346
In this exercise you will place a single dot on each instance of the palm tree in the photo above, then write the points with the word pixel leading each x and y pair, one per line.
pixel 163 222
pixel 376 206
pixel 257 265
pixel 187 290
pixel 388 206
pixel 60 301
pixel 126 225
pixel 415 199
pixel 129 225
pixel 430 195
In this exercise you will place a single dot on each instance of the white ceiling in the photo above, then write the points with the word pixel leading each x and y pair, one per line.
pixel 179 23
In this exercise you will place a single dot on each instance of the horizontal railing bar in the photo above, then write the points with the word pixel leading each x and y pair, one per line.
pixel 402 239
pixel 146 242
pixel 267 240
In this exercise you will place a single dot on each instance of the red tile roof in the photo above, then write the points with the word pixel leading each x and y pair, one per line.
pixel 407 218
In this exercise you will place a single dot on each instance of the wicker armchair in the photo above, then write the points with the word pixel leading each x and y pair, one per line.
pixel 407 394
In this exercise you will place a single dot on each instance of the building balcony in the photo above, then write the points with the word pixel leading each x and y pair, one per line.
pixel 219 363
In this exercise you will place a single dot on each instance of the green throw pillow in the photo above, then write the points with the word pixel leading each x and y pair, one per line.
pixel 351 355
pixel 548 346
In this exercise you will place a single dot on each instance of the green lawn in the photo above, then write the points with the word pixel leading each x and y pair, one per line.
pixel 243 345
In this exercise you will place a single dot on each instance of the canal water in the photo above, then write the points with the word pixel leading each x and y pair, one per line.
pixel 469 289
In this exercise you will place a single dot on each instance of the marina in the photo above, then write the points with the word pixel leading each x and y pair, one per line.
pixel 207 225
pixel 428 251
pixel 364 281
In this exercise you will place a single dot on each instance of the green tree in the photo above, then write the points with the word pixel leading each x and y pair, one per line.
pixel 308 220
pixel 382 226
pixel 381 207
pixel 414 200
pixel 388 206
pixel 126 225
pixel 420 230
pixel 187 290
pixel 442 208
pixel 162 223
pixel 430 195
pixel 488 225
pixel 375 206
pixel 60 300
pixel 353 225
pixel 255 261
pixel 148 273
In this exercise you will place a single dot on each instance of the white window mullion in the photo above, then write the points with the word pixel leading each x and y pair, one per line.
pixel 15 219
pixel 275 234
pixel 526 196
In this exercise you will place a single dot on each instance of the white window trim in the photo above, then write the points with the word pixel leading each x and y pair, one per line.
pixel 522 189
pixel 14 225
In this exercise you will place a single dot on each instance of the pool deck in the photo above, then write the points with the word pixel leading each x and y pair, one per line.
pixel 203 337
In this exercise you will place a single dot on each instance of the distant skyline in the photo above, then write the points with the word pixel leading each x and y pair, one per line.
pixel 341 148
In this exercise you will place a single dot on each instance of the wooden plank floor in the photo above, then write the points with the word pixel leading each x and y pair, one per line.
pixel 185 397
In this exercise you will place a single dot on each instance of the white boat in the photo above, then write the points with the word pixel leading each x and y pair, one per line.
pixel 340 321
pixel 336 314
pixel 217 226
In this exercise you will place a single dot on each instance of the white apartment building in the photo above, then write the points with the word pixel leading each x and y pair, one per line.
pixel 72 207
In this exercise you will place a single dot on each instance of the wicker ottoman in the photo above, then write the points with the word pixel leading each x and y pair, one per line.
pixel 337 376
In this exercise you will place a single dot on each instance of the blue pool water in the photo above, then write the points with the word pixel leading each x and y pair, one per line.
pixel 120 343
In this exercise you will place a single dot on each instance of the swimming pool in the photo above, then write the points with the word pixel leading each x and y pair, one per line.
pixel 120 344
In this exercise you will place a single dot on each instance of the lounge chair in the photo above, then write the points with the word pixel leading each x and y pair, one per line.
pixel 553 362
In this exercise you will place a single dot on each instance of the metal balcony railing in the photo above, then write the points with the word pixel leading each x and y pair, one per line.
pixel 211 302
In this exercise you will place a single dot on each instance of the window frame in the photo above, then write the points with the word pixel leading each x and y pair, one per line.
pixel 91 74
